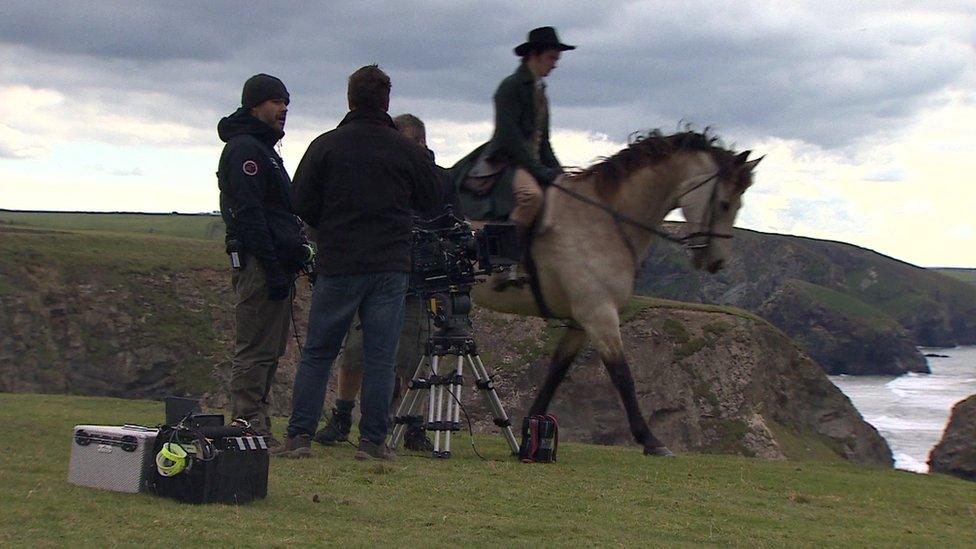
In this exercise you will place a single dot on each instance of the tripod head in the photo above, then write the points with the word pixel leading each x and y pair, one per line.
pixel 450 311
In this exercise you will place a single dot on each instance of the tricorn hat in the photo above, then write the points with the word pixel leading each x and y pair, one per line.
pixel 542 38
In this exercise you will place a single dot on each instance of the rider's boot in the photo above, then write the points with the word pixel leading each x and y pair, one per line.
pixel 511 277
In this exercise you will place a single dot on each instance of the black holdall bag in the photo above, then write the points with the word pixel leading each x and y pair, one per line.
pixel 540 439
pixel 222 465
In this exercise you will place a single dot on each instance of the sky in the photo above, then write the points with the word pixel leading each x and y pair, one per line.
pixel 865 111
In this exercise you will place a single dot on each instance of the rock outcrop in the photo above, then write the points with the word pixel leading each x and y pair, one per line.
pixel 712 381
pixel 854 310
pixel 955 454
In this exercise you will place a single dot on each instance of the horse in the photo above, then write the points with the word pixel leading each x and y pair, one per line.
pixel 594 232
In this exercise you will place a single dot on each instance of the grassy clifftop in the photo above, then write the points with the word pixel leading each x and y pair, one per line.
pixel 125 312
pixel 595 495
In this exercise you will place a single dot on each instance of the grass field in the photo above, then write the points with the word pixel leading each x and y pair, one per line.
pixel 965 275
pixel 594 496
pixel 187 226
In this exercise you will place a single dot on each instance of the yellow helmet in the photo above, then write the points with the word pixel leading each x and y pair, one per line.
pixel 171 460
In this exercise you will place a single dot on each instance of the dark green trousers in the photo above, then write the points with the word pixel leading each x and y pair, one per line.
pixel 263 327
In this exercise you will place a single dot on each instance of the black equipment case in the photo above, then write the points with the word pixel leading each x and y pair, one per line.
pixel 225 465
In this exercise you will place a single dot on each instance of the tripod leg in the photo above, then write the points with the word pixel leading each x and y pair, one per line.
pixel 407 405
pixel 434 408
pixel 488 390
pixel 453 408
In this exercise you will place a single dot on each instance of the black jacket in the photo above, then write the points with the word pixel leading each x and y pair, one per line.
pixel 515 122
pixel 448 193
pixel 255 195
pixel 358 186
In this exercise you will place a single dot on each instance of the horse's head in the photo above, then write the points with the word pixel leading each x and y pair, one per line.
pixel 710 204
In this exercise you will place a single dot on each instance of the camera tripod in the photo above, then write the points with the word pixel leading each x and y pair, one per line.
pixel 443 385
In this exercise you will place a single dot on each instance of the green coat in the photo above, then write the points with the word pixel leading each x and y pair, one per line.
pixel 515 120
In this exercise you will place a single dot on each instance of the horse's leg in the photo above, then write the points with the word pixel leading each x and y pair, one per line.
pixel 566 351
pixel 604 330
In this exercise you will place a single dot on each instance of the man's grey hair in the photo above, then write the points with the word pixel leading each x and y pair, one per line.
pixel 410 121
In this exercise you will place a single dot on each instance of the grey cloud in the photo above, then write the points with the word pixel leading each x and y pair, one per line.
pixel 832 74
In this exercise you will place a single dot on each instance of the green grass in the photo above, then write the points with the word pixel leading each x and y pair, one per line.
pixel 637 304
pixel 964 275
pixel 594 496
pixel 840 302
pixel 186 226
pixel 115 253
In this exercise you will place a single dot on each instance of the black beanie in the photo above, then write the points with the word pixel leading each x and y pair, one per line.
pixel 260 88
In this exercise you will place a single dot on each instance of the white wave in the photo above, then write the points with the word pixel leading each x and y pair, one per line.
pixel 906 462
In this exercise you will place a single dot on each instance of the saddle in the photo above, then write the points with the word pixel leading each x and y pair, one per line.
pixel 483 175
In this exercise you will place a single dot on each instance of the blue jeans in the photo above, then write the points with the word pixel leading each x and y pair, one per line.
pixel 378 297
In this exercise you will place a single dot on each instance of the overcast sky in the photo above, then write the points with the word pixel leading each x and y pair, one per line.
pixel 865 110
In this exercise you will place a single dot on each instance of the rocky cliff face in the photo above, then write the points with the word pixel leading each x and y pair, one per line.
pixel 101 331
pixel 714 382
pixel 145 316
pixel 854 310
pixel 955 454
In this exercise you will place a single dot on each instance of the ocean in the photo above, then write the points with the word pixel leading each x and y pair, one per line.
pixel 911 411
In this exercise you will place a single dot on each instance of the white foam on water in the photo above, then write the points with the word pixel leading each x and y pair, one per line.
pixel 908 463
pixel 911 411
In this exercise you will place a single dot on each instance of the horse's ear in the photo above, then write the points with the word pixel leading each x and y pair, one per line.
pixel 750 165
pixel 742 157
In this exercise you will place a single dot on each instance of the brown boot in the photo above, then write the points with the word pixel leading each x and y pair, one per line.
pixel 298 446
pixel 370 450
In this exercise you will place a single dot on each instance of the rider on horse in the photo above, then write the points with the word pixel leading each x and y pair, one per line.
pixel 503 178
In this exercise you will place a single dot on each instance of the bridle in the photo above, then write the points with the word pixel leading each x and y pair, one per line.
pixel 620 219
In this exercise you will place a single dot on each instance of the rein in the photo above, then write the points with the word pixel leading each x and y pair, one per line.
pixel 619 218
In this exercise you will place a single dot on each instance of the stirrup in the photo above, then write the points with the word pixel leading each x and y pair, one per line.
pixel 509 278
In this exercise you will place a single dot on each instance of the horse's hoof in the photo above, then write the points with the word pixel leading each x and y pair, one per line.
pixel 660 451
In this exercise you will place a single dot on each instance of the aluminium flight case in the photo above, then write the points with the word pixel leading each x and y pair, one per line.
pixel 120 459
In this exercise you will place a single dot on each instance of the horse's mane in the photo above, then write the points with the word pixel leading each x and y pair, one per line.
pixel 647 149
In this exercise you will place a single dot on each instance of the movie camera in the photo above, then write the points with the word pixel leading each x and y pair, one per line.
pixel 449 256
pixel 448 259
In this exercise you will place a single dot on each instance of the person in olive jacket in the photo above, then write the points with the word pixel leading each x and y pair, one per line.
pixel 504 177
pixel 265 241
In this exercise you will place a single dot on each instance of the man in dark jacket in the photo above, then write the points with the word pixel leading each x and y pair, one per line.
pixel 264 240
pixel 413 336
pixel 357 186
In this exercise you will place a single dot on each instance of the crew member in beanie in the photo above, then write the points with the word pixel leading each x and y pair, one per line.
pixel 265 243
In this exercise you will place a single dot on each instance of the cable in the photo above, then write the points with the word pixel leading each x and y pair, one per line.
pixel 294 329
pixel 470 428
